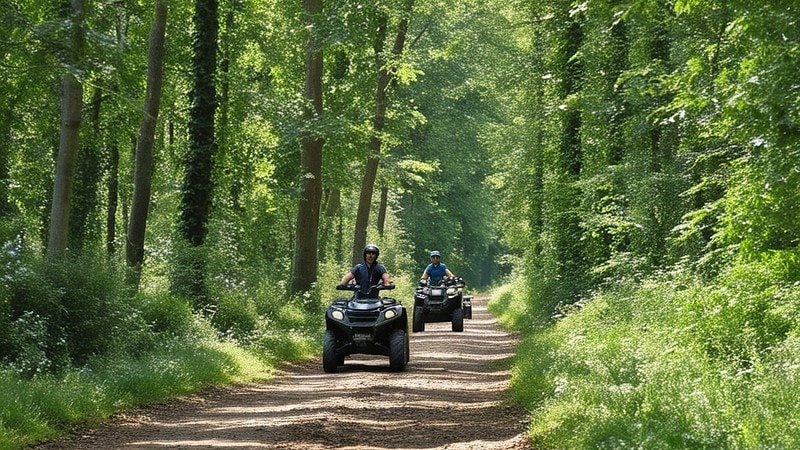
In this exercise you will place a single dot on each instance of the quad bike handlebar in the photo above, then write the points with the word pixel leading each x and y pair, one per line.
pixel 356 287
pixel 446 282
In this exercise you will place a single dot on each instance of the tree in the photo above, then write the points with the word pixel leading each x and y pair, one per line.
pixel 143 172
pixel 197 182
pixel 71 103
pixel 306 235
pixel 378 123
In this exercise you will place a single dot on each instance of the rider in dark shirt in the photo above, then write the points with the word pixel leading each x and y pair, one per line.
pixel 368 273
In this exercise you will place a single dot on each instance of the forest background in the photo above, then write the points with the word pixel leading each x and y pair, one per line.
pixel 183 183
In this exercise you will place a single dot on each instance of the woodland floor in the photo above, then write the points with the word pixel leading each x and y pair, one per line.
pixel 452 395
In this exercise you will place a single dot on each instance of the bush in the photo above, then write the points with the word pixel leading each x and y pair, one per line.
pixel 166 313
pixel 751 309
pixel 61 313
pixel 236 315
pixel 94 311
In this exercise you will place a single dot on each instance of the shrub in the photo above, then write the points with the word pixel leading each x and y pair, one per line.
pixel 60 313
pixel 236 314
pixel 166 313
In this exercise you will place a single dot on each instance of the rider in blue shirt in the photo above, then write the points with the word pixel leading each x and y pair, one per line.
pixel 436 270
pixel 368 273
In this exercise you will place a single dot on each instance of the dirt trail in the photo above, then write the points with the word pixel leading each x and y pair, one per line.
pixel 452 395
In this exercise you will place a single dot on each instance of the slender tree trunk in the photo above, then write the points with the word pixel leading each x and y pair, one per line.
pixel 143 172
pixel 571 151
pixel 570 251
pixel 88 173
pixel 232 161
pixel 6 207
pixel 112 187
pixel 306 236
pixel 378 122
pixel 331 211
pixel 71 103
pixel 619 63
pixel 382 209
pixel 126 202
pixel 340 237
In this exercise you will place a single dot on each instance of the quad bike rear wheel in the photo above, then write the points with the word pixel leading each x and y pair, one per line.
pixel 419 320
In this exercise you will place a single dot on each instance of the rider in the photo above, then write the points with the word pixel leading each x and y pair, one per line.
pixel 368 273
pixel 436 270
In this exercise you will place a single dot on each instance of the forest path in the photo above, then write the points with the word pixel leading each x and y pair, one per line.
pixel 453 395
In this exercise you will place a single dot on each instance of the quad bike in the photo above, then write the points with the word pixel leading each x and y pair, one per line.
pixel 374 326
pixel 445 302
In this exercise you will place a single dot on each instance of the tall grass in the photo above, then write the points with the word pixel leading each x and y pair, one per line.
pixel 670 363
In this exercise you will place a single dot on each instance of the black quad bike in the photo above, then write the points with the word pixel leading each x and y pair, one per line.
pixel 445 302
pixel 373 326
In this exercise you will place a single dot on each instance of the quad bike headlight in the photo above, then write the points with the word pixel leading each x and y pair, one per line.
pixel 451 291
pixel 389 313
pixel 338 315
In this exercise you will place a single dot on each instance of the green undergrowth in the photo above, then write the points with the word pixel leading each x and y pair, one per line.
pixel 668 363
pixel 75 348
pixel 45 407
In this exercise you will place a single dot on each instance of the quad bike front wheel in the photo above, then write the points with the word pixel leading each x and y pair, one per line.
pixel 330 362
pixel 398 350
pixel 458 319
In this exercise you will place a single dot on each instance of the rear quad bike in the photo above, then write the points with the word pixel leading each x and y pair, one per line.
pixel 373 326
pixel 445 302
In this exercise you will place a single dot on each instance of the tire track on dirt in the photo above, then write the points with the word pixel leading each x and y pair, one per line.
pixel 453 395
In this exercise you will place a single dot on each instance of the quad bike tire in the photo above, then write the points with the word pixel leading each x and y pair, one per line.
pixel 330 362
pixel 458 319
pixel 398 350
pixel 419 320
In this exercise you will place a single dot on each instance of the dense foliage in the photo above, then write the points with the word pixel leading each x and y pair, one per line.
pixel 656 160
pixel 630 166
pixel 223 218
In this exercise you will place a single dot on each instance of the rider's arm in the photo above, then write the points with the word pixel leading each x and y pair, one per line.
pixel 347 277
pixel 386 281
pixel 449 274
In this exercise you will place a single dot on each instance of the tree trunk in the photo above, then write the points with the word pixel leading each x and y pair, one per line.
pixel 332 208
pixel 232 161
pixel 569 246
pixel 143 172
pixel 306 236
pixel 6 207
pixel 126 202
pixel 71 103
pixel 382 209
pixel 197 183
pixel 197 189
pixel 88 172
pixel 619 61
pixel 112 186
pixel 378 122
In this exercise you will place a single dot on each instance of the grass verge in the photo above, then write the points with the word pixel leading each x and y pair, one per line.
pixel 49 406
pixel 670 363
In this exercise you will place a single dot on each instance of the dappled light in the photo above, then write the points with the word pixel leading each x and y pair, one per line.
pixel 452 393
